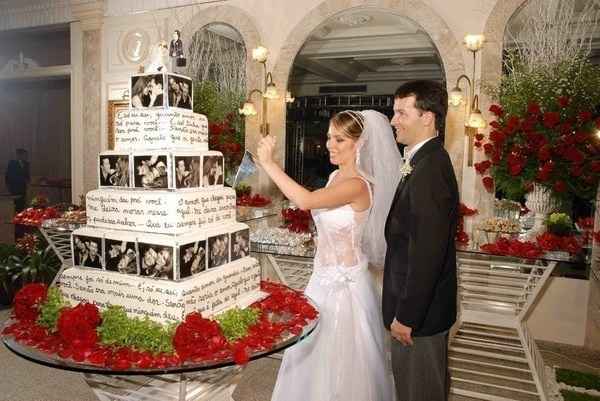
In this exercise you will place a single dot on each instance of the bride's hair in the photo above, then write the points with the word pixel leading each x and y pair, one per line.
pixel 350 122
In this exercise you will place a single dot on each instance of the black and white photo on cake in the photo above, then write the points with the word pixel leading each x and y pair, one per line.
pixel 121 256
pixel 114 170
pixel 156 261
pixel 240 244
pixel 87 251
pixel 187 171
pixel 192 258
pixel 151 171
pixel 218 250
pixel 147 90
pixel 179 91
pixel 212 170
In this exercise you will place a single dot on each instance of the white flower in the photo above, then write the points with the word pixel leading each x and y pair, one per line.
pixel 405 170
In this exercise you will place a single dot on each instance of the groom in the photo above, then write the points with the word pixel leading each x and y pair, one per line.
pixel 419 285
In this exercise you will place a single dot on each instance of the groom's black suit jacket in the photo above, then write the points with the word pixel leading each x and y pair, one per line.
pixel 419 285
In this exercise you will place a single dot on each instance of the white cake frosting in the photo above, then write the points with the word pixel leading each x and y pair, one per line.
pixel 153 129
pixel 168 212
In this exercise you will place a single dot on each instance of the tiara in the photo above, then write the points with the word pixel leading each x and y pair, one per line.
pixel 357 116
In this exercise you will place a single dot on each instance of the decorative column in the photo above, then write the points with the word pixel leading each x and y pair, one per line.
pixel 86 88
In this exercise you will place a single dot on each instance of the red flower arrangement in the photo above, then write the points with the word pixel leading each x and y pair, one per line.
pixel 504 246
pixel 35 216
pixel 227 140
pixel 195 339
pixel 198 339
pixel 28 300
pixel 554 147
pixel 77 327
pixel 296 220
pixel 255 200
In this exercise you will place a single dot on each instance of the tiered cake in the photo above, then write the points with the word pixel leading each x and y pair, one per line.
pixel 162 239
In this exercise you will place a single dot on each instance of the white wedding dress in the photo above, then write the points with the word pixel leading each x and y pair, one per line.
pixel 344 359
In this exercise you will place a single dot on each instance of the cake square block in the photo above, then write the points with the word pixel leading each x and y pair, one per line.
pixel 160 129
pixel 237 284
pixel 166 212
pixel 121 252
pixel 87 248
pixel 213 168
pixel 151 170
pixel 180 91
pixel 147 91
pixel 114 170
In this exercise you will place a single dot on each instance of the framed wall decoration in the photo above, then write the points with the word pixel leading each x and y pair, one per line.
pixel 114 106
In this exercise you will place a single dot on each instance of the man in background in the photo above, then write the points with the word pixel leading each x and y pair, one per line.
pixel 17 178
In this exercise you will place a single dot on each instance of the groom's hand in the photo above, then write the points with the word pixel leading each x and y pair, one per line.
pixel 401 332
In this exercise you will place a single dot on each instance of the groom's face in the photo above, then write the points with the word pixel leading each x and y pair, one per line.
pixel 407 120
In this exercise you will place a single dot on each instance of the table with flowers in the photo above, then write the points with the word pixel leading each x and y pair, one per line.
pixel 201 360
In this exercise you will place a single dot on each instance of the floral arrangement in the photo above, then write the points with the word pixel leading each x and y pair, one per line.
pixel 545 127
pixel 84 334
pixel 513 247
pixel 35 216
pixel 226 139
pixel 463 211
pixel 296 220
pixel 255 200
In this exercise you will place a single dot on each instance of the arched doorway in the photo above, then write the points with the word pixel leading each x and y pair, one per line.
pixel 353 60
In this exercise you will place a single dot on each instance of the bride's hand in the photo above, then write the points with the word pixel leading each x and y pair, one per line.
pixel 265 149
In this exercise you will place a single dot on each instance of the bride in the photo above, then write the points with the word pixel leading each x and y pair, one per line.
pixel 344 358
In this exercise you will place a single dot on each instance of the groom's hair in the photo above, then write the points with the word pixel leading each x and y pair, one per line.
pixel 429 96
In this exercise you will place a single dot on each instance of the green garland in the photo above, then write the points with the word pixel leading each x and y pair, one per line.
pixel 235 322
pixel 142 334
pixel 117 329
pixel 50 311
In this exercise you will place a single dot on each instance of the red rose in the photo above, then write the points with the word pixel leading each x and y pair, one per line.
pixel 596 166
pixel 477 144
pixel 581 137
pixel 584 116
pixel 488 148
pixel 488 183
pixel 77 326
pixel 573 154
pixel 533 108
pixel 560 186
pixel 544 153
pixel 479 137
pixel 529 124
pixel 483 166
pixel 497 137
pixel 512 124
pixel 576 170
pixel 496 125
pixel 551 119
pixel 497 110
pixel 28 300
pixel 563 101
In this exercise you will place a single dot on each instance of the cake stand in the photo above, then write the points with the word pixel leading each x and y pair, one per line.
pixel 191 381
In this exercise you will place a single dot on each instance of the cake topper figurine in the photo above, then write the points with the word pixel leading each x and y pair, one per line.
pixel 158 58
pixel 176 50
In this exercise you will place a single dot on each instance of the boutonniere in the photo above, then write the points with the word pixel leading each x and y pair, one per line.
pixel 405 170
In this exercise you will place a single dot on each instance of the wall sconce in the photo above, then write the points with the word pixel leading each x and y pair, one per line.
pixel 269 91
pixel 475 119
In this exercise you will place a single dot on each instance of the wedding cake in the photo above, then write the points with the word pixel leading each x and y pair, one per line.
pixel 162 238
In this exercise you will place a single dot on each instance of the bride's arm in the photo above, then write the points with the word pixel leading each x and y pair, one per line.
pixel 352 191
